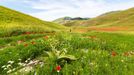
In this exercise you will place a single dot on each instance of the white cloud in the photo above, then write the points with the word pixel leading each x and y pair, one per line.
pixel 53 9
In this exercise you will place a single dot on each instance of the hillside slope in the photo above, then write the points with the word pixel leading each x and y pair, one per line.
pixel 124 18
pixel 14 20
pixel 119 18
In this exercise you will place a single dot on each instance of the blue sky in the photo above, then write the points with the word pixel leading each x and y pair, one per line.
pixel 53 9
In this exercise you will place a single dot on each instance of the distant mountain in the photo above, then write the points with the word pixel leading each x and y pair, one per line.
pixel 11 20
pixel 68 21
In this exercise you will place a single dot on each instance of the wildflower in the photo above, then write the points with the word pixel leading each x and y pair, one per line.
pixel 3 66
pixel 126 54
pixel 132 52
pixel 46 37
pixel 122 60
pixel 20 64
pixel 25 45
pixel 35 73
pixel 114 53
pixel 26 61
pixel 10 62
pixel 58 68
pixel 8 66
pixel 19 59
pixel 13 69
pixel 41 64
pixel 74 73
pixel 9 44
pixel 20 41
pixel 92 63
pixel 27 33
pixel 33 42
pixel 92 37
pixel 9 71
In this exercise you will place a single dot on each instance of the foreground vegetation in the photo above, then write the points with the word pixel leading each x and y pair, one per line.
pixel 68 54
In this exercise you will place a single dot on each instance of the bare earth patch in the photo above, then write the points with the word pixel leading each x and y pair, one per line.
pixel 109 29
pixel 106 29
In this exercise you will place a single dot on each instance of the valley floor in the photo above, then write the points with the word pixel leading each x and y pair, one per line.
pixel 67 53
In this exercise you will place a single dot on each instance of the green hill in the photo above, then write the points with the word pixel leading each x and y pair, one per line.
pixel 118 18
pixel 124 18
pixel 11 20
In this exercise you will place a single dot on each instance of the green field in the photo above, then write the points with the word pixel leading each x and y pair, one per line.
pixel 29 46
pixel 94 53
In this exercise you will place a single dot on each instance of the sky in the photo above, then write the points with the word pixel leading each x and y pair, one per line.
pixel 52 9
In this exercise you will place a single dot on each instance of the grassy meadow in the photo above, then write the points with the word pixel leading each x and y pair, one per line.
pixel 97 53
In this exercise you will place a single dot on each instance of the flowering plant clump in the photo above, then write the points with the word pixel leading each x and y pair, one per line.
pixel 20 41
pixel 58 68
pixel 9 67
pixel 33 43
pixel 26 45
pixel 114 53
pixel 27 33
pixel 46 37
